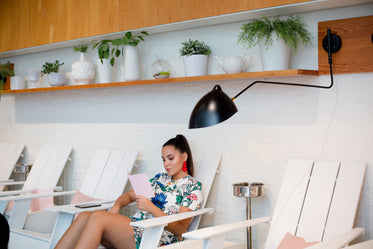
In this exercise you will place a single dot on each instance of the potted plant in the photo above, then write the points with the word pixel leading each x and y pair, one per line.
pixel 5 72
pixel 195 54
pixel 54 76
pixel 276 38
pixel 83 71
pixel 131 69
pixel 103 61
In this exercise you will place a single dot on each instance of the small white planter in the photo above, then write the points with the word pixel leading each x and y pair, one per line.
pixel 56 79
pixel 277 56
pixel 131 69
pixel 83 71
pixel 17 82
pixel 104 71
pixel 195 65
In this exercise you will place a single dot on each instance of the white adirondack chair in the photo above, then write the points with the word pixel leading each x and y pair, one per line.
pixel 363 245
pixel 44 174
pixel 105 180
pixel 9 156
pixel 206 171
pixel 316 201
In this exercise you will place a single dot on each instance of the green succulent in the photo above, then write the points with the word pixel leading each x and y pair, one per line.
pixel 83 48
pixel 191 47
pixel 51 67
pixel 290 30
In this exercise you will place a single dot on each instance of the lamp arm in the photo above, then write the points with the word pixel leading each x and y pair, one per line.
pixel 329 50
pixel 287 84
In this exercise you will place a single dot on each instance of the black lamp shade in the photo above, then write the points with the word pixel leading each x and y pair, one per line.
pixel 213 108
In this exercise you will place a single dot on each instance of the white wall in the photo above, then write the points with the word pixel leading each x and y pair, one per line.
pixel 274 123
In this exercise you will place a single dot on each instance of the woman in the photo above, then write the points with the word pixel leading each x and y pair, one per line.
pixel 175 191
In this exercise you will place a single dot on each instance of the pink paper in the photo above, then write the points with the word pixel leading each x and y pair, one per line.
pixel 141 185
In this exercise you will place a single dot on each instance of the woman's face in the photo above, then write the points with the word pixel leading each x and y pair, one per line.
pixel 173 161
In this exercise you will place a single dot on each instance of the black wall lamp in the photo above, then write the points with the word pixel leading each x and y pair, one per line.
pixel 216 106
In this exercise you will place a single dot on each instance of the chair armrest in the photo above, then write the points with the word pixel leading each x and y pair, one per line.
pixel 23 191
pixel 11 182
pixel 34 196
pixel 72 209
pixel 214 231
pixel 165 220
pixel 340 240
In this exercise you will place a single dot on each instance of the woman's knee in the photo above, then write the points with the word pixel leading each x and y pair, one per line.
pixel 98 216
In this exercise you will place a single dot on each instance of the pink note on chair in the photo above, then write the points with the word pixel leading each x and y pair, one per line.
pixel 141 185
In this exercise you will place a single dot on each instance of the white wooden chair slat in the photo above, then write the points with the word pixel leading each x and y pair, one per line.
pixel 316 205
pixel 54 166
pixel 94 172
pixel 9 155
pixel 363 245
pixel 121 177
pixel 207 169
pixel 37 167
pixel 346 194
pixel 107 177
pixel 289 202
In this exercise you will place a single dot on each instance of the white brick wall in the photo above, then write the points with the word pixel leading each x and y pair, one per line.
pixel 273 124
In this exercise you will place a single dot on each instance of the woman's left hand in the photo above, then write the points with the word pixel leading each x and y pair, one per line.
pixel 143 203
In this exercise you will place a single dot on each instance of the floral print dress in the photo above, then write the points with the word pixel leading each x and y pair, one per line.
pixel 169 196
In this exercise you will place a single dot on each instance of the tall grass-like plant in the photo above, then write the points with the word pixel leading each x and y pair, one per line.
pixel 291 30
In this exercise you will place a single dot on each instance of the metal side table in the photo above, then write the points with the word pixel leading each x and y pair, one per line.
pixel 248 190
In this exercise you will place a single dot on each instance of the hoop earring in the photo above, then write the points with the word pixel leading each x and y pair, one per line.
pixel 184 167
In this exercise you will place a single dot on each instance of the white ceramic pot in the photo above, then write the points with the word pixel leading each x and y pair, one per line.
pixel 195 65
pixel 104 71
pixel 83 71
pixel 131 69
pixel 57 79
pixel 17 82
pixel 277 56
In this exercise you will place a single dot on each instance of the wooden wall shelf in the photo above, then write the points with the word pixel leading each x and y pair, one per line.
pixel 215 77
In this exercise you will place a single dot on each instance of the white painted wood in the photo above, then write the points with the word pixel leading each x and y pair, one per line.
pixel 9 156
pixel 363 245
pixel 94 172
pixel 214 242
pixel 316 195
pixel 346 198
pixel 107 178
pixel 63 222
pixel 206 173
pixel 339 241
pixel 165 220
pixel 48 166
pixel 121 178
pixel 106 166
pixel 219 230
pixel 17 215
pixel 316 205
pixel 290 199
pixel 150 237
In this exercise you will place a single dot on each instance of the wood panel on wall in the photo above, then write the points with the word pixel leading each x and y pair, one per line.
pixel 38 22
pixel 135 14
pixel 356 53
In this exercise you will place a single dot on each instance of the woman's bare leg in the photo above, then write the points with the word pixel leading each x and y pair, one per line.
pixel 71 236
pixel 107 227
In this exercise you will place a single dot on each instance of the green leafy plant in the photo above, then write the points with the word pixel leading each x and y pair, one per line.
pixel 191 47
pixel 103 48
pixel 104 51
pixel 82 48
pixel 51 67
pixel 290 30
pixel 5 71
